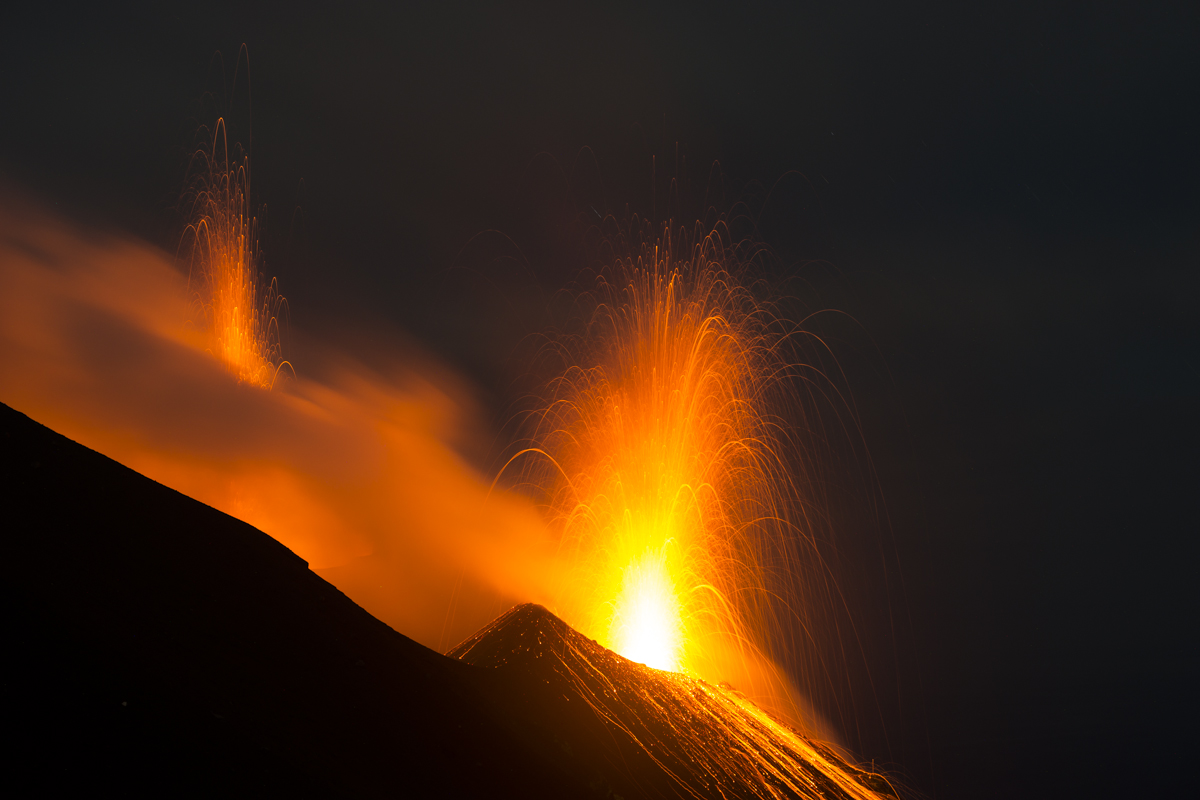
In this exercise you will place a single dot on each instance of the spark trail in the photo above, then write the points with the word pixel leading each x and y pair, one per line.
pixel 672 474
pixel 240 311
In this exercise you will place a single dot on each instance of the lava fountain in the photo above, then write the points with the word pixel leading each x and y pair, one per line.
pixel 673 450
pixel 672 473
pixel 240 311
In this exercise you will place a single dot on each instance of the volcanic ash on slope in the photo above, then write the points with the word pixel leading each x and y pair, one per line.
pixel 634 731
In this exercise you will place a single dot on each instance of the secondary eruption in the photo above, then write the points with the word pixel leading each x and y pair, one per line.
pixel 241 313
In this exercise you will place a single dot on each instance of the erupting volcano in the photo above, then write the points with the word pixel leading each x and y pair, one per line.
pixel 672 475
pixel 676 543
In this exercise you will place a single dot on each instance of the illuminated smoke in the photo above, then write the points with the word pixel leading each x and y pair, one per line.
pixel 668 488
pixel 352 466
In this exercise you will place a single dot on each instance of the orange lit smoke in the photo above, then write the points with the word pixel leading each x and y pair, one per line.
pixel 239 311
pixel 353 467
pixel 668 530
pixel 671 475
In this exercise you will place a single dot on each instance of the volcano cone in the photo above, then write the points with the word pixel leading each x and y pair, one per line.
pixel 634 731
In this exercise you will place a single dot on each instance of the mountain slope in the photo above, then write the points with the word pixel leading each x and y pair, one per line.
pixel 635 731
pixel 158 646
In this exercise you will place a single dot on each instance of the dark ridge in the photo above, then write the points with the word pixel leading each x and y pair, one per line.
pixel 633 731
pixel 156 646
pixel 524 632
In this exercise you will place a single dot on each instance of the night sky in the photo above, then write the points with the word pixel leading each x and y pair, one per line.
pixel 1005 201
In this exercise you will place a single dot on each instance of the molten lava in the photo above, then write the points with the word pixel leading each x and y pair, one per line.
pixel 240 312
pixel 646 623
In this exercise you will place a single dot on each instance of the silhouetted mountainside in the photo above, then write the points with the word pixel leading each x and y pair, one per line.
pixel 156 646
pixel 638 732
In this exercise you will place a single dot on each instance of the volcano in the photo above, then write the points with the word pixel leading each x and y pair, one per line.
pixel 634 731
pixel 159 646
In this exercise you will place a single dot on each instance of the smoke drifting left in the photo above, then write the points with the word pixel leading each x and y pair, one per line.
pixel 350 466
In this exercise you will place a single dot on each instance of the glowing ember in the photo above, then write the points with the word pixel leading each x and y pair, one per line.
pixel 240 312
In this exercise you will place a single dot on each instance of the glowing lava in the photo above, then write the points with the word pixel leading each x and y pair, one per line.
pixel 663 454
pixel 646 623
pixel 240 312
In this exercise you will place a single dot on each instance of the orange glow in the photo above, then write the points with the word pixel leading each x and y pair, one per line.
pixel 353 467
pixel 666 533
pixel 646 625
pixel 239 311
pixel 666 461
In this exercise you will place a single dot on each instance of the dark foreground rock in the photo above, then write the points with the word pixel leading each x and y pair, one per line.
pixel 156 646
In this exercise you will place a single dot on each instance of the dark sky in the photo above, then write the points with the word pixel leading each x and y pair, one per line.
pixel 1006 199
